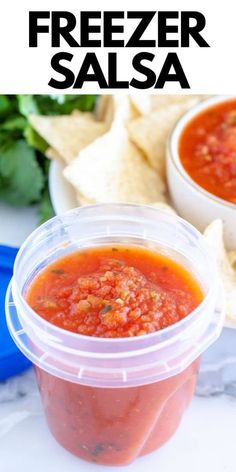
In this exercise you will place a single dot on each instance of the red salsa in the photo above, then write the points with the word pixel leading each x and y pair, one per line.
pixel 207 150
pixel 114 292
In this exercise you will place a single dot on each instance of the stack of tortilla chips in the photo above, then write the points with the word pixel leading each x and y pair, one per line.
pixel 116 154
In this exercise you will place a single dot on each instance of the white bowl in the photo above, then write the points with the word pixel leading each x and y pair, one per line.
pixel 191 201
pixel 61 192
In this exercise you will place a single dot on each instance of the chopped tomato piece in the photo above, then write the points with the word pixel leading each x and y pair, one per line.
pixel 114 293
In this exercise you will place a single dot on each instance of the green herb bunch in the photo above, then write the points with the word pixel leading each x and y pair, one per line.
pixel 23 166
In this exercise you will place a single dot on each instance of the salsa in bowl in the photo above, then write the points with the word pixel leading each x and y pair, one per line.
pixel 201 165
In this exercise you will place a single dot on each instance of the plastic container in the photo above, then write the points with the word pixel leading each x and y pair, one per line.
pixel 111 400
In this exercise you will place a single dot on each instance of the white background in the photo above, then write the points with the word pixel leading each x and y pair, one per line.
pixel 28 70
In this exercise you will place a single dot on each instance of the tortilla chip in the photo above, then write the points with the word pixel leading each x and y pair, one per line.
pixel 113 169
pixel 150 133
pixel 83 201
pixel 214 235
pixel 149 103
pixel 105 109
pixel 232 258
pixel 68 134
pixel 84 114
pixel 109 107
pixel 54 155
pixel 164 206
pixel 124 111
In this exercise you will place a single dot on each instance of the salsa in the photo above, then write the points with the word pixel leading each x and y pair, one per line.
pixel 114 292
pixel 110 292
pixel 207 149
pixel 113 426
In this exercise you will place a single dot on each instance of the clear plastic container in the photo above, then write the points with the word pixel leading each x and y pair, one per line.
pixel 111 400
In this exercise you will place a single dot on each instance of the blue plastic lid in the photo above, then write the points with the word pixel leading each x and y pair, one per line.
pixel 12 361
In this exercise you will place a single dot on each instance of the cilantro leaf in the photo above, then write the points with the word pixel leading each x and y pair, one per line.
pixel 5 104
pixel 14 123
pixel 22 178
pixel 23 165
pixel 34 139
pixel 27 105
pixel 54 104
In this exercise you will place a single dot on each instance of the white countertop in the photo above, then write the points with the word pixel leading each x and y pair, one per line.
pixel 204 442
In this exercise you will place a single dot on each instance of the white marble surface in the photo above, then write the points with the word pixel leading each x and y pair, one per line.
pixel 16 224
pixel 204 442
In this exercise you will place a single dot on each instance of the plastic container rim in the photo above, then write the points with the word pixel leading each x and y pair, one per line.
pixel 55 330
